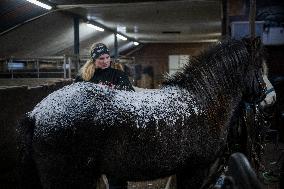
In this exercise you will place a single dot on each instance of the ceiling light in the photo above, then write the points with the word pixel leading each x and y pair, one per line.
pixel 121 29
pixel 121 37
pixel 95 27
pixel 135 43
pixel 40 4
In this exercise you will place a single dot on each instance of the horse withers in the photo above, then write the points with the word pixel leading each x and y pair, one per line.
pixel 85 130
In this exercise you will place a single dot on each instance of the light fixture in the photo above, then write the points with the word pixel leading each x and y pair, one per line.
pixel 121 37
pixel 45 6
pixel 135 43
pixel 95 27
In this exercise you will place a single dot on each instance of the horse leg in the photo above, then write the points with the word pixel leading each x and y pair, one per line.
pixel 102 182
pixel 188 179
pixel 65 171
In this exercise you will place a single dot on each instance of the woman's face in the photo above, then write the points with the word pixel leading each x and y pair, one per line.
pixel 103 61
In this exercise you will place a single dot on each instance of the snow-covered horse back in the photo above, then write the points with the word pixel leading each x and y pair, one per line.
pixel 84 130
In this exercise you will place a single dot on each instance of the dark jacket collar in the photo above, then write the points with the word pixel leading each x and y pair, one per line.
pixel 106 69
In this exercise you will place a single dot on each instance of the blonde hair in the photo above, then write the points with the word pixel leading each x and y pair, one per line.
pixel 88 70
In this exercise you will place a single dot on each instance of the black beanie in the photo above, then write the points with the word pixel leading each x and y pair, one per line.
pixel 98 50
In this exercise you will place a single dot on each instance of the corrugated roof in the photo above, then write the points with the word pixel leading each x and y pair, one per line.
pixel 14 12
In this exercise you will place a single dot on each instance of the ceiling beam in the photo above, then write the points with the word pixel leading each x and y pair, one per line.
pixel 75 2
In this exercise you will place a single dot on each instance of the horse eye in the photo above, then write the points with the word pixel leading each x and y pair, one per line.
pixel 261 69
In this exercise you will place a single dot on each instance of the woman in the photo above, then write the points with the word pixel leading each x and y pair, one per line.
pixel 98 70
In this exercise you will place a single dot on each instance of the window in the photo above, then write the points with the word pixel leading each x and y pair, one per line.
pixel 177 62
pixel 16 65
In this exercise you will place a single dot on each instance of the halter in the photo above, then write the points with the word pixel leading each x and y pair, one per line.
pixel 263 90
pixel 270 90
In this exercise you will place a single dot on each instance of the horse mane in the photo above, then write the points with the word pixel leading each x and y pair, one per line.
pixel 222 66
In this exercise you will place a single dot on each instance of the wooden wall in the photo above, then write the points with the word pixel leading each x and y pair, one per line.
pixel 14 103
pixel 156 56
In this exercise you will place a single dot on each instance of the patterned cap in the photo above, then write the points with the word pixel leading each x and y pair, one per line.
pixel 98 50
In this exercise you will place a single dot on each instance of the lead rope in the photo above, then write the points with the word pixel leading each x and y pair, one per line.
pixel 256 126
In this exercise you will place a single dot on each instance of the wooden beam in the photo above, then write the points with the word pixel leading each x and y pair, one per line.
pixel 252 13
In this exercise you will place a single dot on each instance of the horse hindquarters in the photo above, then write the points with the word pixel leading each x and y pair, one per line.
pixel 28 175
pixel 41 167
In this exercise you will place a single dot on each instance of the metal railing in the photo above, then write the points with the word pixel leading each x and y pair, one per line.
pixel 65 66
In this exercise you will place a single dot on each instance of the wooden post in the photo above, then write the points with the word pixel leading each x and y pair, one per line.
pixel 37 65
pixel 11 61
pixel 76 43
pixel 225 21
pixel 69 62
pixel 252 13
pixel 64 66
pixel 115 46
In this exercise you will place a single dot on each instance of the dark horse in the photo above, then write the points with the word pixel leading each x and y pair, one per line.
pixel 84 130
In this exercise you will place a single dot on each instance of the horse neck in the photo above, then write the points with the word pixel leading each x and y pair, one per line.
pixel 218 72
pixel 213 81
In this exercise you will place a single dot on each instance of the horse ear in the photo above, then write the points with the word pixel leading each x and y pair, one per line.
pixel 258 42
pixel 246 41
pixel 258 50
pixel 252 43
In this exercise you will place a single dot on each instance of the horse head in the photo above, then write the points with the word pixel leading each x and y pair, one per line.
pixel 255 79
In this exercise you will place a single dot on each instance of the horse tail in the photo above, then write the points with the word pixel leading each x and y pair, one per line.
pixel 28 174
